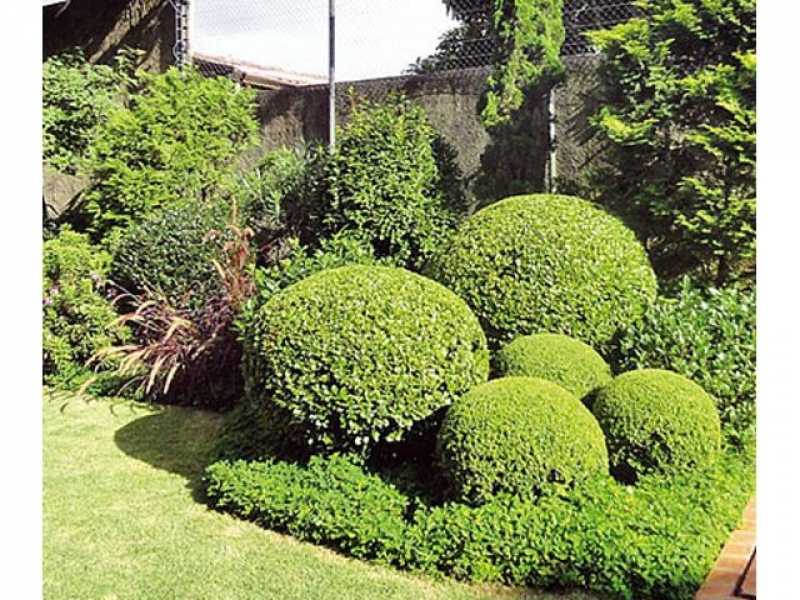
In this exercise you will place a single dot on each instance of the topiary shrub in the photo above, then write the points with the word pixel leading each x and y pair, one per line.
pixel 384 182
pixel 360 353
pixel 172 252
pixel 657 421
pixel 707 335
pixel 518 435
pixel 547 263
pixel 570 363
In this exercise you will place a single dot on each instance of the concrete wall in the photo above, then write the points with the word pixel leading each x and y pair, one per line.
pixel 102 27
pixel 512 159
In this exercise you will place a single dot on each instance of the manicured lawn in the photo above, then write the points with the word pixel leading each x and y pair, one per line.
pixel 122 520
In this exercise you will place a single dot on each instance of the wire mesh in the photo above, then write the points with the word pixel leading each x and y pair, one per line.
pixel 287 40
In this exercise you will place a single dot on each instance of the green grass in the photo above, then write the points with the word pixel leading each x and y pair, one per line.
pixel 122 519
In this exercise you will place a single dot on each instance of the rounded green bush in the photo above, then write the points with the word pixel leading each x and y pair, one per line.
pixel 537 263
pixel 657 421
pixel 359 353
pixel 518 435
pixel 568 362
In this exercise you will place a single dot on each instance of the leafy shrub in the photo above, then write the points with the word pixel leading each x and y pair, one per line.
pixel 350 510
pixel 76 99
pixel 537 263
pixel 518 435
pixel 656 421
pixel 570 363
pixel 384 184
pixel 657 540
pixel 278 185
pixel 707 336
pixel 678 118
pixel 172 251
pixel 361 353
pixel 191 355
pixel 178 139
pixel 78 320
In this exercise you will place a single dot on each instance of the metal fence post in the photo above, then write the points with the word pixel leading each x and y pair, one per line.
pixel 332 74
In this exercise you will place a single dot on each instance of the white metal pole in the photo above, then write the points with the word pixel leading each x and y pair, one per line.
pixel 332 74
pixel 552 162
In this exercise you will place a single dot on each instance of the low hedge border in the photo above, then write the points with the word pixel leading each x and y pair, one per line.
pixel 655 540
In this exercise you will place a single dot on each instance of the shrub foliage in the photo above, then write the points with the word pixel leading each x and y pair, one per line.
pixel 570 363
pixel 657 540
pixel 78 319
pixel 708 336
pixel 358 354
pixel 657 421
pixel 679 113
pixel 518 435
pixel 76 99
pixel 384 183
pixel 539 263
pixel 178 138
pixel 171 252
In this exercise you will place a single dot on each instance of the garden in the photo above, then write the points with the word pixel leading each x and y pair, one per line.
pixel 335 346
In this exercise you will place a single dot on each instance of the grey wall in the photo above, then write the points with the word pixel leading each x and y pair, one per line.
pixel 102 27
pixel 512 159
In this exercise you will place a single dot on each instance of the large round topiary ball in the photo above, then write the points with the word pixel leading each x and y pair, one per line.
pixel 359 354
pixel 657 421
pixel 518 435
pixel 529 264
pixel 570 363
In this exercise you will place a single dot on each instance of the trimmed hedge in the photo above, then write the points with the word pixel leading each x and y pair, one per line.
pixel 518 435
pixel 657 421
pixel 537 263
pixel 570 363
pixel 653 541
pixel 708 336
pixel 360 353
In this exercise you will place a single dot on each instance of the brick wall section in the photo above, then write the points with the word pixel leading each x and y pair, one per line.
pixel 733 575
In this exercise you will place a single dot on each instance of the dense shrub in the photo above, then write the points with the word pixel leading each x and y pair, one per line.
pixel 518 435
pixel 78 319
pixel 360 353
pixel 177 139
pixel 657 421
pixel 384 183
pixel 76 98
pixel 656 540
pixel 172 252
pixel 192 355
pixel 570 363
pixel 353 511
pixel 707 336
pixel 539 263
pixel 677 119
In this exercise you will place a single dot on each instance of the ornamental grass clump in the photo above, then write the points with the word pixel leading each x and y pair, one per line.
pixel 547 263
pixel 359 354
pixel 570 363
pixel 657 421
pixel 518 435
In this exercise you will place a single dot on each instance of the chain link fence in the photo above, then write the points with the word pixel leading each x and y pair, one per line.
pixel 423 48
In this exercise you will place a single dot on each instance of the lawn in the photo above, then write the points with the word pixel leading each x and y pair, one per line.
pixel 122 520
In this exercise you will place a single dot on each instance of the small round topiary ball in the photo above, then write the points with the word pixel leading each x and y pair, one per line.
pixel 518 435
pixel 570 363
pixel 657 421
pixel 359 354
pixel 552 263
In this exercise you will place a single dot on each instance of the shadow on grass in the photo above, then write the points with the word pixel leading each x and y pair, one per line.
pixel 172 439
